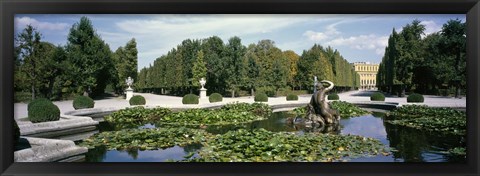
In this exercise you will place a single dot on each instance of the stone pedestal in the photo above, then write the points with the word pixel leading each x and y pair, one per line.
pixel 129 93
pixel 203 93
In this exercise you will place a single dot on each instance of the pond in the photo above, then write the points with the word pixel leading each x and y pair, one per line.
pixel 408 145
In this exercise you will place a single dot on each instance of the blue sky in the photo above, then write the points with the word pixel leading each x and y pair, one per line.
pixel 357 37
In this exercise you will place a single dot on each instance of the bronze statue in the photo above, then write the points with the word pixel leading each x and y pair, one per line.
pixel 318 110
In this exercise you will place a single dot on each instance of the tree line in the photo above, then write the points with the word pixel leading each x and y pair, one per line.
pixel 232 67
pixel 84 66
pixel 432 64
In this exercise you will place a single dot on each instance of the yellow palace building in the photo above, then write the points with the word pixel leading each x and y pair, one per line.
pixel 368 74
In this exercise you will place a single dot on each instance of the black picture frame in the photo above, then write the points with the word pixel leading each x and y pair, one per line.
pixel 9 8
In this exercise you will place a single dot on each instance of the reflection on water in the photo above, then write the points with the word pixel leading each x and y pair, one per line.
pixel 409 145
pixel 176 153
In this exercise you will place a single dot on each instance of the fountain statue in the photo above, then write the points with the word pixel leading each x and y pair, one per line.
pixel 319 112
pixel 129 91
pixel 203 91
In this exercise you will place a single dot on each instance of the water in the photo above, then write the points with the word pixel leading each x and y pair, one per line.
pixel 410 145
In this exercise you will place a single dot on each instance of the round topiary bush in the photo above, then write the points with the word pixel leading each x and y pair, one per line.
pixel 137 100
pixel 333 96
pixel 16 133
pixel 415 98
pixel 36 101
pixel 43 112
pixel 215 97
pixel 377 96
pixel 261 97
pixel 83 102
pixel 190 99
pixel 292 97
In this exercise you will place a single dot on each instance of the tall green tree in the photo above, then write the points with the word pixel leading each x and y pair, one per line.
pixel 126 61
pixel 28 42
pixel 199 69
pixel 454 45
pixel 89 57
pixel 234 68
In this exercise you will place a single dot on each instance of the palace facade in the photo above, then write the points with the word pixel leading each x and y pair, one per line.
pixel 368 74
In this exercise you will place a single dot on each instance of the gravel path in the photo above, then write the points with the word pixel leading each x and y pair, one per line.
pixel 172 101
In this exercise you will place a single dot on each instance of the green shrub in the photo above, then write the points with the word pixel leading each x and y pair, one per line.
pixel 37 101
pixel 83 102
pixel 284 91
pixel 269 91
pixel 22 97
pixel 333 96
pixel 215 97
pixel 137 100
pixel 292 97
pixel 415 98
pixel 43 111
pixel 16 133
pixel 190 99
pixel 261 97
pixel 377 96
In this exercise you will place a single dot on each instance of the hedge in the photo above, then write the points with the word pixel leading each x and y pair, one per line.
pixel 83 102
pixel 43 111
pixel 292 97
pixel 215 97
pixel 137 100
pixel 261 97
pixel 377 96
pixel 190 99
pixel 415 98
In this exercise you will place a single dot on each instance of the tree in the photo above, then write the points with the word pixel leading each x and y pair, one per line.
pixel 411 52
pixel 199 69
pixel 234 68
pixel 453 44
pixel 89 57
pixel 292 58
pixel 28 42
pixel 125 60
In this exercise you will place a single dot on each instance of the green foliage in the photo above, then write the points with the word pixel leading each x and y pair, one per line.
pixel 229 114
pixel 43 111
pixel 445 120
pixel 90 64
pixel 425 64
pixel 292 97
pixel 38 100
pixel 22 97
pixel 268 90
pixel 458 151
pixel 190 99
pixel 259 109
pixel 261 97
pixel 146 139
pixel 333 96
pixel 137 100
pixel 16 133
pixel 199 69
pixel 215 97
pixel 136 116
pixel 415 98
pixel 260 145
pixel 125 60
pixel 83 102
pixel 377 96
pixel 345 109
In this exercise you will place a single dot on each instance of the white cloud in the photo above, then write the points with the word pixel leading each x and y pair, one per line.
pixel 330 31
pixel 362 42
pixel 431 27
pixel 21 23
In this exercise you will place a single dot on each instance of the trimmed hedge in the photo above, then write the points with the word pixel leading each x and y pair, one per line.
pixel 292 97
pixel 83 102
pixel 43 111
pixel 137 100
pixel 261 97
pixel 377 96
pixel 333 96
pixel 215 97
pixel 37 101
pixel 415 98
pixel 190 99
